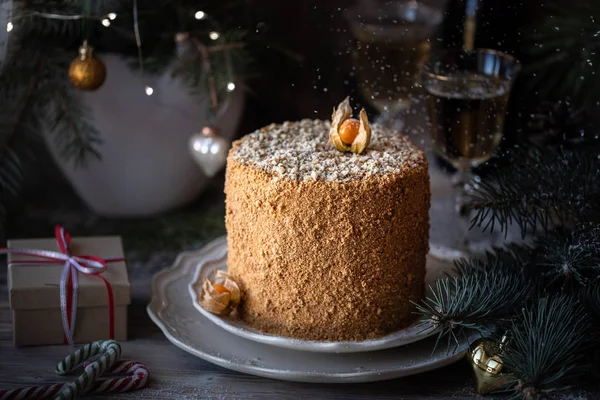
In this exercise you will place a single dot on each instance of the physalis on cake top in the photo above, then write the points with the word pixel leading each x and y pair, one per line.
pixel 349 134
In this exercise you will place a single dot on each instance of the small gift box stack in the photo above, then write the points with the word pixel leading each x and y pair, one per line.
pixel 67 291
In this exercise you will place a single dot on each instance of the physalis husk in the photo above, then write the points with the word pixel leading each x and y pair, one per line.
pixel 343 129
pixel 220 296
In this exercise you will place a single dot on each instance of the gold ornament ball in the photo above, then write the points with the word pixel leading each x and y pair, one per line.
pixel 484 356
pixel 87 72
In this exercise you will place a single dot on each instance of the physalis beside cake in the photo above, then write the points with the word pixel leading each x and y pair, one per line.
pixel 327 244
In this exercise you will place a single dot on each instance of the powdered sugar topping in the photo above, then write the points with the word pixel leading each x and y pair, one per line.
pixel 301 151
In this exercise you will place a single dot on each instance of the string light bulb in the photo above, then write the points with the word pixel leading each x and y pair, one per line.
pixel 230 87
pixel 106 22
pixel 199 15
pixel 112 16
pixel 149 91
pixel 214 35
pixel 9 26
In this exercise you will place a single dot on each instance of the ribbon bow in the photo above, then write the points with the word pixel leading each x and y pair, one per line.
pixel 69 281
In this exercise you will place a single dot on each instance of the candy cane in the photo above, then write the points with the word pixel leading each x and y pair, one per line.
pixel 34 392
pixel 97 358
pixel 109 352
pixel 136 377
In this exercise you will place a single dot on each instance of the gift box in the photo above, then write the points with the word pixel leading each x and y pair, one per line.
pixel 43 311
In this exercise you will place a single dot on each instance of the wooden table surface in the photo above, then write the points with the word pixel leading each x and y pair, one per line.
pixel 176 374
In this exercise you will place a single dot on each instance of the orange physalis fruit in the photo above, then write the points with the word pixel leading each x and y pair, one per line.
pixel 349 130
pixel 220 289
pixel 346 133
pixel 220 295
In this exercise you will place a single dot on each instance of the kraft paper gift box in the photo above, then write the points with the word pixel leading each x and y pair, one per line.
pixel 35 293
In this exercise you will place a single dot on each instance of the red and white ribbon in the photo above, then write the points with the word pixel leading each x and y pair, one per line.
pixel 69 282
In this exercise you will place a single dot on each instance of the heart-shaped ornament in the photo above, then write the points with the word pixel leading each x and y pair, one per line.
pixel 484 357
pixel 209 150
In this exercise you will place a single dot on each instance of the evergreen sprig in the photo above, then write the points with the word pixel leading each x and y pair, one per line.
pixel 545 342
pixel 486 292
pixel 561 52
pixel 569 258
pixel 538 189
pixel 66 116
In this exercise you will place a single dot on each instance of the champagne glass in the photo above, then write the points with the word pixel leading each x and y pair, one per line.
pixel 467 95
pixel 392 42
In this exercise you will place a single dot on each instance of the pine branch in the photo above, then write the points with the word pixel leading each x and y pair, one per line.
pixel 561 52
pixel 590 297
pixel 487 292
pixel 17 89
pixel 544 349
pixel 65 116
pixel 569 259
pixel 537 189
pixel 24 103
pixel 11 173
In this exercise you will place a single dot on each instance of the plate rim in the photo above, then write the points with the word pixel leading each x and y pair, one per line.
pixel 315 346
pixel 155 306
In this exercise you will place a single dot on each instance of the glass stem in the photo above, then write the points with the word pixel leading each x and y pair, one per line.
pixel 461 182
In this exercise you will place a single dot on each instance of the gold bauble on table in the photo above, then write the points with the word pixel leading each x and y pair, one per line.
pixel 87 72
pixel 484 356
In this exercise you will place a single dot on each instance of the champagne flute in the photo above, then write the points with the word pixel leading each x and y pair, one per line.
pixel 392 42
pixel 467 94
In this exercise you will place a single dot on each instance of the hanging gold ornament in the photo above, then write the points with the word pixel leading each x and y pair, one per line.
pixel 485 358
pixel 87 72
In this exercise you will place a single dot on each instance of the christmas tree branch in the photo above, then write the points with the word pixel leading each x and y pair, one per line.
pixel 568 259
pixel 38 63
pixel 82 137
pixel 543 352
pixel 487 291
pixel 537 189
pixel 570 72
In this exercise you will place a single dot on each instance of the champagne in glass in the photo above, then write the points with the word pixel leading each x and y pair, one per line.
pixel 392 43
pixel 468 94
pixel 467 115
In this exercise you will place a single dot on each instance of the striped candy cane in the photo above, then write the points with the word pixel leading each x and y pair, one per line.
pixel 108 350
pixel 33 393
pixel 136 377
pixel 104 355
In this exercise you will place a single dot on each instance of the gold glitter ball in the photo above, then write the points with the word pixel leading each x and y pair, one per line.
pixel 87 72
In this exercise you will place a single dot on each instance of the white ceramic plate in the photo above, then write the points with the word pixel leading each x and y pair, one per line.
pixel 171 309
pixel 235 325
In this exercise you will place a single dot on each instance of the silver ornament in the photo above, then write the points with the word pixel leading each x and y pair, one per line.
pixel 209 150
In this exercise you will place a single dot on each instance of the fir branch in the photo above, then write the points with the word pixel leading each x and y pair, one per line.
pixel 570 258
pixel 487 291
pixel 537 189
pixel 561 52
pixel 543 352
pixel 38 63
pixel 65 116
pixel 17 89
pixel 11 173
pixel 590 298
